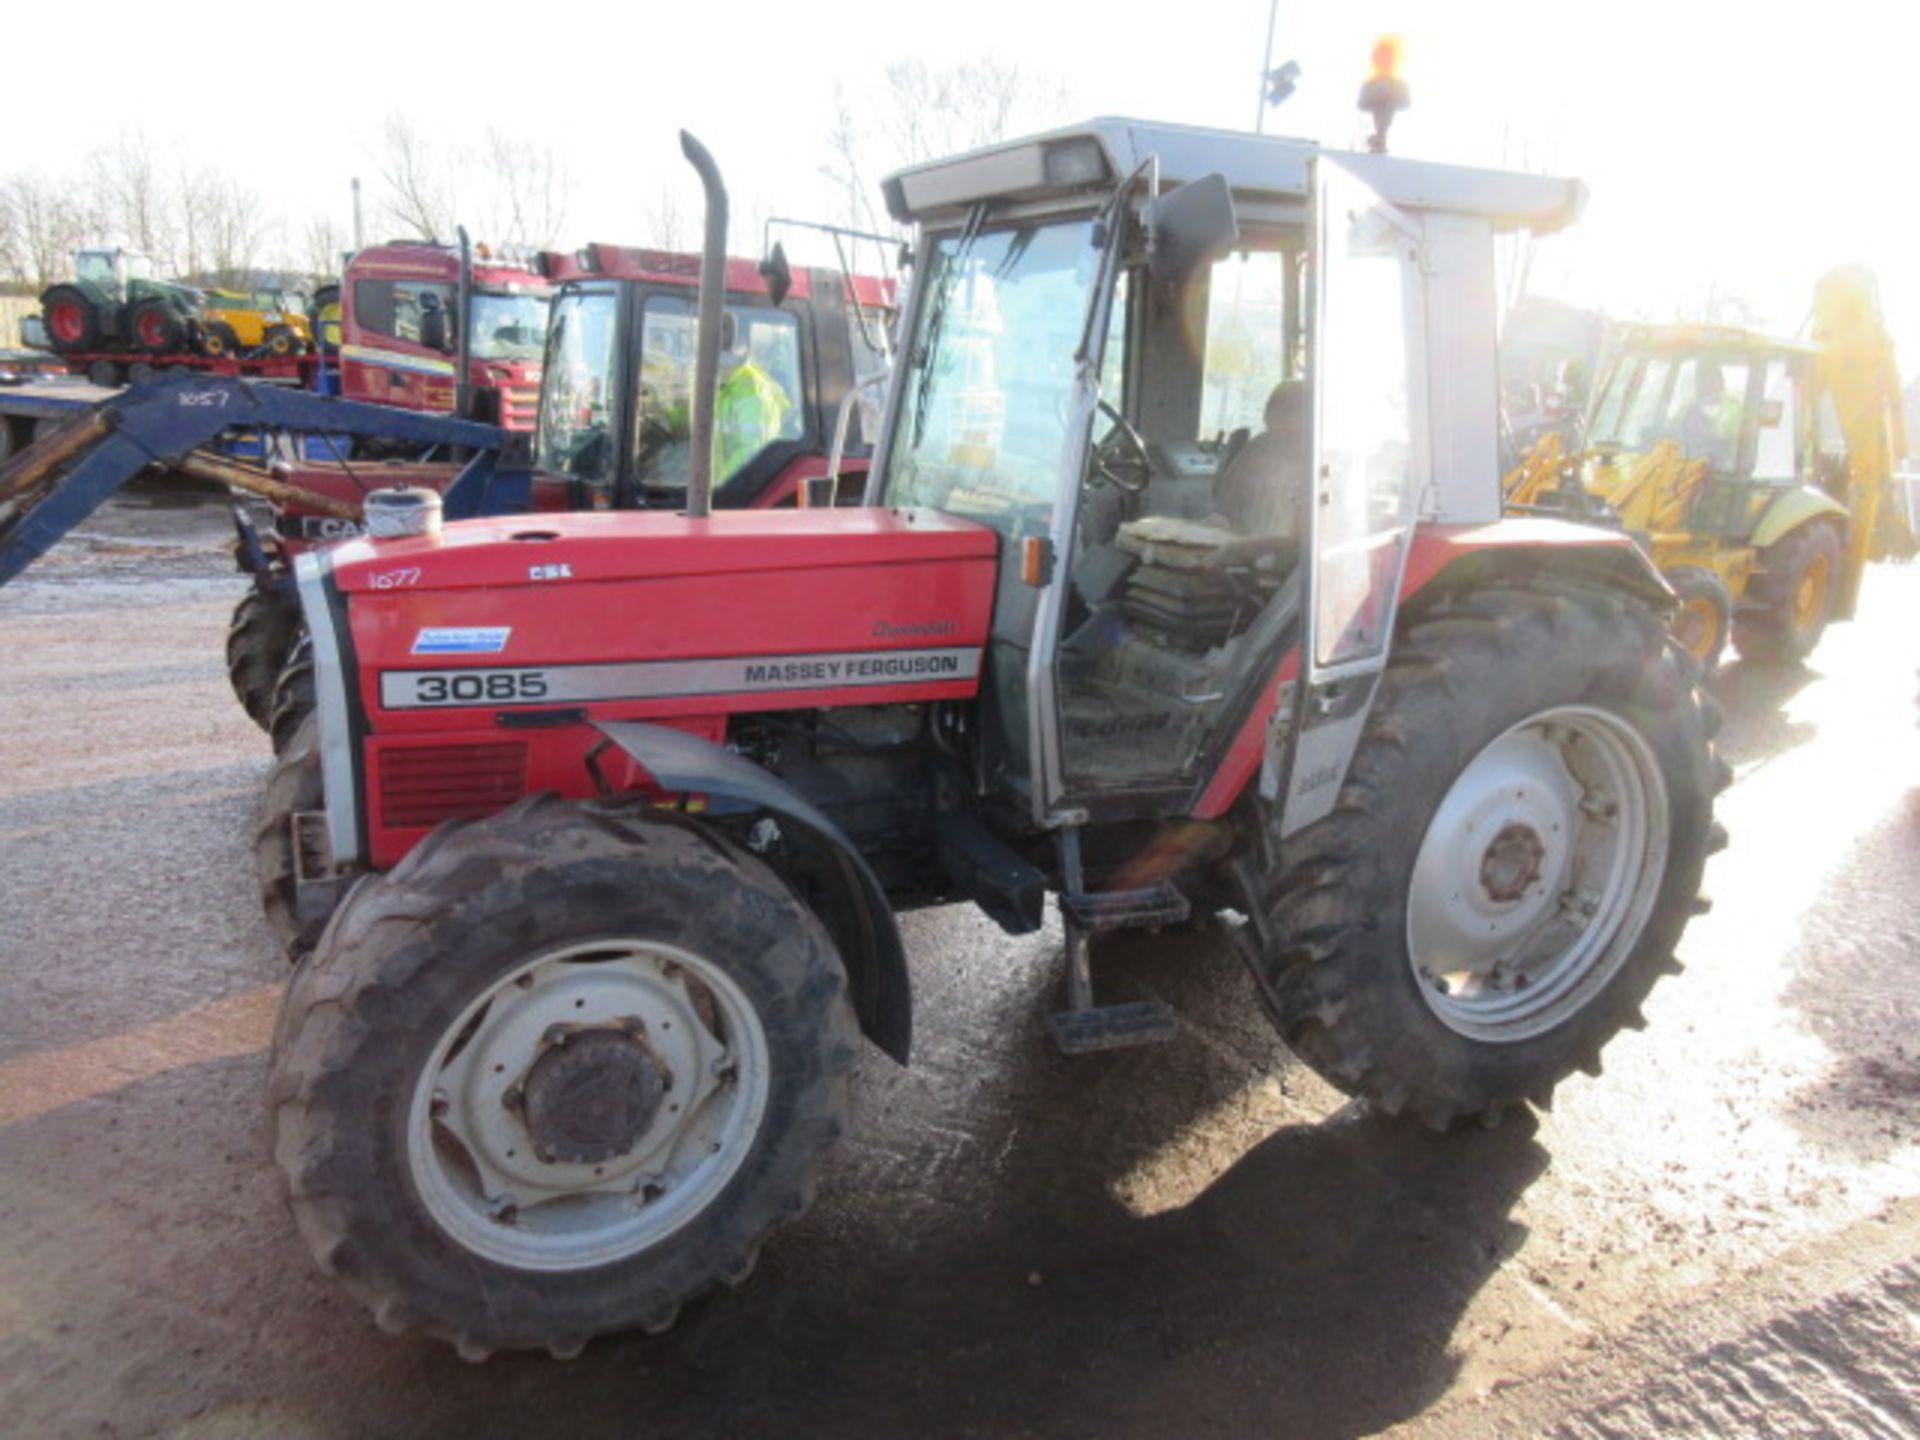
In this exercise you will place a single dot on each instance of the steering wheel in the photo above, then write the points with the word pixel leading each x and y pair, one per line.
pixel 1121 458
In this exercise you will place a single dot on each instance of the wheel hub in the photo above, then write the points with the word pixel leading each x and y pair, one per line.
pixel 592 1095
pixel 1511 865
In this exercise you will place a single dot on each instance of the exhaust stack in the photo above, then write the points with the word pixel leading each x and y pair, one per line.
pixel 713 296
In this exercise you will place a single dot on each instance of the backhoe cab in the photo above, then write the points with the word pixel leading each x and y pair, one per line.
pixel 1181 590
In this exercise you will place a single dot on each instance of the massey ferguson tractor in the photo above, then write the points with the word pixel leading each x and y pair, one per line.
pixel 1181 589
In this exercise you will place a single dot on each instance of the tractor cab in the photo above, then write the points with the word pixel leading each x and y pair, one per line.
pixel 616 406
pixel 1734 406
pixel 112 271
pixel 1130 354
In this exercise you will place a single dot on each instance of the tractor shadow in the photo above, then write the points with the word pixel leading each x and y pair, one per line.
pixel 1857 988
pixel 1755 698
pixel 1027 1245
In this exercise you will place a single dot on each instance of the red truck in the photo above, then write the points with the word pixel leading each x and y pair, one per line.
pixel 416 316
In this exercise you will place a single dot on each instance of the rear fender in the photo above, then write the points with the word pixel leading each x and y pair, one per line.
pixel 1793 509
pixel 833 876
pixel 1444 558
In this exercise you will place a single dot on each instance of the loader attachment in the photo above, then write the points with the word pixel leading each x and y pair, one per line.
pixel 54 484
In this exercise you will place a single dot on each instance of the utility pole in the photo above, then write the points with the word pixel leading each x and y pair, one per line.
pixel 359 239
pixel 1266 64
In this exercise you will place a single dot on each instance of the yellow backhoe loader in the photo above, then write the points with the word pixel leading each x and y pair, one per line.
pixel 1754 470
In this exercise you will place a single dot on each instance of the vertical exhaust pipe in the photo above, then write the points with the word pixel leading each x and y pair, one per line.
pixel 713 299
pixel 463 323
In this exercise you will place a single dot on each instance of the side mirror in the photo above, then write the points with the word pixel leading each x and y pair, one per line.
pixel 1188 226
pixel 433 331
pixel 777 273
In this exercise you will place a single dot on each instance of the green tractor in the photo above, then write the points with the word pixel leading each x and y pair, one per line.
pixel 116 304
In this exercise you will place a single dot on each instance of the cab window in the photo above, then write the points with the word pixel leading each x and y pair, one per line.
pixel 394 307
pixel 759 402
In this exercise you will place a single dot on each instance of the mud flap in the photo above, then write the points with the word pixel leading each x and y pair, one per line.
pixel 835 879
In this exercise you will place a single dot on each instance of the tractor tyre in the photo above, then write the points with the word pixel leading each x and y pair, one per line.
pixel 72 323
pixel 154 329
pixel 1513 855
pixel 279 342
pixel 293 697
pixel 1705 617
pixel 558 1073
pixel 1793 593
pixel 293 786
pixel 219 342
pixel 265 626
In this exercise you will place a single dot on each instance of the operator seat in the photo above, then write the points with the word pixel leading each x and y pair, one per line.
pixel 1202 581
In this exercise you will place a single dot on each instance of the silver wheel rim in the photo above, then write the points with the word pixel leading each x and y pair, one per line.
pixel 1537 874
pixel 480 1137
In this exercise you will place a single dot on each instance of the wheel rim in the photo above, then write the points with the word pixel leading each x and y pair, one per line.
pixel 152 329
pixel 66 323
pixel 591 1103
pixel 1697 626
pixel 1810 595
pixel 1537 874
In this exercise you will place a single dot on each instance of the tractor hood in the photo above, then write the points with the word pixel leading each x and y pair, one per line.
pixel 575 549
pixel 586 618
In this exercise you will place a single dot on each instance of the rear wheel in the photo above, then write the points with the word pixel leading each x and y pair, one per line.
pixel 1794 592
pixel 265 625
pixel 71 322
pixel 1705 617
pixel 280 342
pixel 558 1073
pixel 1516 849
pixel 154 328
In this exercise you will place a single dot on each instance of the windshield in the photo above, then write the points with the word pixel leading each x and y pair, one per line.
pixel 987 382
pixel 577 392
pixel 1697 400
pixel 94 266
pixel 508 327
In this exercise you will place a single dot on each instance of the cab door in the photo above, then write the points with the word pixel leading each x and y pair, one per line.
pixel 1366 350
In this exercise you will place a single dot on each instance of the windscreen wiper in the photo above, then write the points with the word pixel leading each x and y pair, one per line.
pixel 937 315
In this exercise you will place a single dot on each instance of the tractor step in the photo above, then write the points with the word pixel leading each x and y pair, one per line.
pixel 1097 910
pixel 1111 1027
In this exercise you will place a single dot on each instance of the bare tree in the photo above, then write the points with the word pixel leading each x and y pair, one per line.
pixel 132 200
pixel 529 190
pixel 919 111
pixel 418 181
pixel 322 244
pixel 227 234
pixel 41 225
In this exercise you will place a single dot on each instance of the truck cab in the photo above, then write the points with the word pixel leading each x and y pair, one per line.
pixel 401 329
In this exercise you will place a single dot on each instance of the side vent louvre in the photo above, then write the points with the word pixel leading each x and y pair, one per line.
pixel 426 784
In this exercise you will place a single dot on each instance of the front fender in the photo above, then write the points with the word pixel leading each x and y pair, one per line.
pixel 833 876
pixel 1793 509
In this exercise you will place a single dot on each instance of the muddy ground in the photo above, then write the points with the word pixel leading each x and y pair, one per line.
pixel 1720 1235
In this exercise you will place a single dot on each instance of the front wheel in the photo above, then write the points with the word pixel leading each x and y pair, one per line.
pixel 558 1073
pixel 1516 849
pixel 260 638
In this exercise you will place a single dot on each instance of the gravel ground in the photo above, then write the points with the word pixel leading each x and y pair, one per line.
pixel 1720 1235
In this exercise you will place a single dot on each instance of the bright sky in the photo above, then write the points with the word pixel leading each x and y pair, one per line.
pixel 1741 146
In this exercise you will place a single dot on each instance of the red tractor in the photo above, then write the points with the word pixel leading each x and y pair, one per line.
pixel 1181 588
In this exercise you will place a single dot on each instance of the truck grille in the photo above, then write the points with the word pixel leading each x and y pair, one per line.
pixel 519 407
pixel 423 785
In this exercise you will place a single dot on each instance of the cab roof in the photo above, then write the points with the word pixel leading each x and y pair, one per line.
pixel 1098 153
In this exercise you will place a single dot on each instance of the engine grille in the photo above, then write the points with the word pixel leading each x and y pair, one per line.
pixel 423 785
